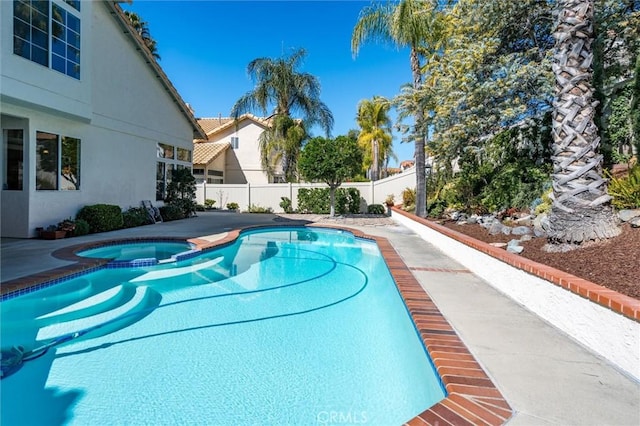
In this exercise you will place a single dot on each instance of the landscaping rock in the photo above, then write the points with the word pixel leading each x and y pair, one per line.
pixel 499 245
pixel 627 215
pixel 539 232
pixel 635 222
pixel 506 230
pixel 514 247
pixel 474 218
pixel 525 220
pixel 521 230
pixel 495 227
pixel 526 237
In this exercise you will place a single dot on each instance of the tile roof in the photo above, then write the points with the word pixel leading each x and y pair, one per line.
pixel 206 152
pixel 213 125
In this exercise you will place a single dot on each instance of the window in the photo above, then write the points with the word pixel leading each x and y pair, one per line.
pixel 215 173
pixel 65 42
pixel 235 142
pixel 46 161
pixel 215 180
pixel 57 162
pixel 31 30
pixel 160 180
pixel 184 155
pixel 70 162
pixel 165 151
pixel 48 33
pixel 14 155
pixel 199 172
pixel 169 158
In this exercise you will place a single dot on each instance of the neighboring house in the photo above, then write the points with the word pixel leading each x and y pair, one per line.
pixel 231 152
pixel 87 114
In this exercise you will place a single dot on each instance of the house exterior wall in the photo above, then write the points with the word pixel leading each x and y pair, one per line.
pixel 119 109
pixel 243 164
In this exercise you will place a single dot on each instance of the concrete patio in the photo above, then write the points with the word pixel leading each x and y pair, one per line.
pixel 545 376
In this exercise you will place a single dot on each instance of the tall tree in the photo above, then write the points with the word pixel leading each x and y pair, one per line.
pixel 284 91
pixel 375 133
pixel 331 161
pixel 142 28
pixel 580 210
pixel 412 24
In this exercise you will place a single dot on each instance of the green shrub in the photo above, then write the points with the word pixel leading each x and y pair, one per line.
pixel 545 203
pixel 200 208
pixel 208 203
pixel 82 228
pixel 253 208
pixel 317 200
pixel 375 209
pixel 233 206
pixel 101 217
pixel 171 212
pixel 285 203
pixel 135 216
pixel 409 197
pixel 625 190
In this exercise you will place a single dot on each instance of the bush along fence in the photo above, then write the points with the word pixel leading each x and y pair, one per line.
pixel 270 195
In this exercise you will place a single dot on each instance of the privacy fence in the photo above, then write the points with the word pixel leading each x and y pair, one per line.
pixel 270 195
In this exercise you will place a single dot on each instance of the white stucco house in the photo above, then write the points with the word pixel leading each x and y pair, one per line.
pixel 87 114
pixel 230 154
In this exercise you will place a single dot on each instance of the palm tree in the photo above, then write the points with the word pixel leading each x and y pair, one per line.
pixel 408 23
pixel 142 28
pixel 375 134
pixel 581 210
pixel 280 86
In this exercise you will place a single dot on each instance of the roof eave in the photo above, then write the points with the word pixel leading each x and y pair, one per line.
pixel 123 21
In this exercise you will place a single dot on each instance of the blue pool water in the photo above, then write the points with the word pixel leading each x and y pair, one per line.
pixel 285 326
pixel 160 250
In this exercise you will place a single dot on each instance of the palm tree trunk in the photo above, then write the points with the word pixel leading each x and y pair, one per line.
pixel 421 189
pixel 581 210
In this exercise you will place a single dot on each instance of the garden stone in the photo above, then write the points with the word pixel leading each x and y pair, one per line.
pixel 499 245
pixel 635 222
pixel 539 232
pixel 526 237
pixel 525 220
pixel 495 227
pixel 461 222
pixel 514 247
pixel 521 230
pixel 627 215
pixel 474 218
pixel 506 230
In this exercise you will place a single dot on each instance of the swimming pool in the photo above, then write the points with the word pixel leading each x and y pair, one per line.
pixel 292 326
pixel 135 250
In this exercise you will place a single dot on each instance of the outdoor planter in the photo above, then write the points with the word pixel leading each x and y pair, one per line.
pixel 52 235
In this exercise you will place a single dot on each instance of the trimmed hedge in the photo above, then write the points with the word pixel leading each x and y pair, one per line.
pixel 171 212
pixel 135 216
pixel 101 217
pixel 316 200
pixel 376 209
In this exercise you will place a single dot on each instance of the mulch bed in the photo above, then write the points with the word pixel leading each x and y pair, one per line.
pixel 614 263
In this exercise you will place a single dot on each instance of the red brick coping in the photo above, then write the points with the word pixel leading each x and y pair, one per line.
pixel 620 303
pixel 472 398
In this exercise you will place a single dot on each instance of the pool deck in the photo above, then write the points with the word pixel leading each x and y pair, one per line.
pixel 545 377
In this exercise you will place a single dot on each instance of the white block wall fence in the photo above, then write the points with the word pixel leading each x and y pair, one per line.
pixel 269 195
pixel 610 334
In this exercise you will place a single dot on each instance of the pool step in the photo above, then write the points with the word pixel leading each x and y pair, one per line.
pixel 174 272
pixel 101 302
pixel 143 302
pixel 46 300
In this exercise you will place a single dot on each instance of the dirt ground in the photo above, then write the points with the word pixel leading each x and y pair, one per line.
pixel 614 263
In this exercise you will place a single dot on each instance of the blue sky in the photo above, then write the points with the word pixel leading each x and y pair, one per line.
pixel 206 45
